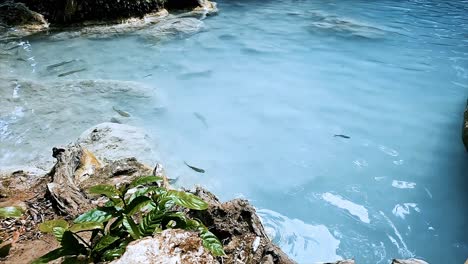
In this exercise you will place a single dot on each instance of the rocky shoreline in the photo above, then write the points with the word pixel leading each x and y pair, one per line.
pixel 99 19
pixel 107 153
pixel 98 157
pixel 101 155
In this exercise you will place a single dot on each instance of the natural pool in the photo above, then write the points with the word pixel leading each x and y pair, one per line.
pixel 256 98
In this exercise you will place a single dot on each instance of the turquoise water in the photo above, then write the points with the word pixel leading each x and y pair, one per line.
pixel 256 98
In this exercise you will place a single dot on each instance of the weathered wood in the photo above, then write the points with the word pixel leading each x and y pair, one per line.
pixel 63 190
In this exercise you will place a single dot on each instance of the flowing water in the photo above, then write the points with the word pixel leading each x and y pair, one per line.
pixel 256 98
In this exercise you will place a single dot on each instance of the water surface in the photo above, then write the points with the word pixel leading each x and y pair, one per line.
pixel 256 98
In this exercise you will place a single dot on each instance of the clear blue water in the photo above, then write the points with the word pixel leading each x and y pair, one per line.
pixel 256 98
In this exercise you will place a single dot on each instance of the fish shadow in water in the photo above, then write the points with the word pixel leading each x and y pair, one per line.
pixel 201 118
pixel 193 75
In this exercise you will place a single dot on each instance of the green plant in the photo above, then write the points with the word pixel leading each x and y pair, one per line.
pixel 132 211
pixel 10 211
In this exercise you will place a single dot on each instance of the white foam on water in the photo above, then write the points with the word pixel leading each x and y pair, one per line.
pixel 354 209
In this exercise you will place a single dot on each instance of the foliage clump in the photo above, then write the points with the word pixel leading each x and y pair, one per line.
pixel 133 211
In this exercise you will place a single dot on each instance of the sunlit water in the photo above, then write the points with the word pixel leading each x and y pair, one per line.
pixel 256 98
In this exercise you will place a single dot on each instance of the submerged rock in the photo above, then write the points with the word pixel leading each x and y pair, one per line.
pixel 171 28
pixel 409 261
pixel 341 26
pixel 465 128
pixel 35 112
pixel 17 20
pixel 171 246
pixel 154 27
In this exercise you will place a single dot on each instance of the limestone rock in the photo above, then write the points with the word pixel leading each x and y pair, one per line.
pixel 21 18
pixel 171 28
pixel 172 246
pixel 127 26
pixel 238 226
pixel 71 11
pixel 409 261
pixel 111 141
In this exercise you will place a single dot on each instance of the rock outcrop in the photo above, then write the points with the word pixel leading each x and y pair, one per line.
pixel 73 11
pixel 465 128
pixel 171 246
pixel 238 226
pixel 112 142
pixel 17 20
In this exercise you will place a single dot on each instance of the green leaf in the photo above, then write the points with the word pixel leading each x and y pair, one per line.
pixel 211 242
pixel 145 180
pixel 187 200
pixel 58 232
pixel 137 204
pixel 143 191
pixel 179 219
pixel 48 226
pixel 113 253
pixel 151 222
pixel 86 226
pixel 105 242
pixel 52 255
pixel 71 245
pixel 5 250
pixel 193 224
pixel 131 227
pixel 103 189
pixel 96 215
pixel 10 211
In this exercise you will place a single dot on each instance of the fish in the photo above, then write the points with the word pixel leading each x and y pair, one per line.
pixel 71 72
pixel 121 112
pixel 59 64
pixel 342 136
pixel 21 59
pixel 201 118
pixel 15 47
pixel 193 75
pixel 115 120
pixel 195 168
pixel 148 75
